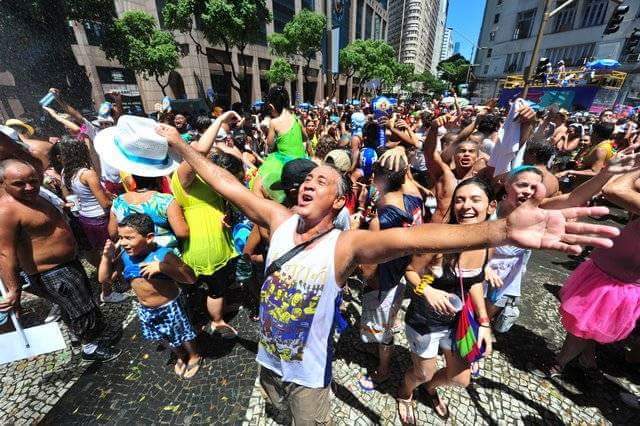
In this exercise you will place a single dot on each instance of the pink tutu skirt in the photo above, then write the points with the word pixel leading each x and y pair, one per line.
pixel 597 306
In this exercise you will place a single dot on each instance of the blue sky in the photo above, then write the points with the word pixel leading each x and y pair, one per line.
pixel 465 17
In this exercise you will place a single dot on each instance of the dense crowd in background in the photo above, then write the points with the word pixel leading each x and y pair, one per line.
pixel 253 203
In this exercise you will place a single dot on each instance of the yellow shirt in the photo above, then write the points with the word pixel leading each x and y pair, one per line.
pixel 209 246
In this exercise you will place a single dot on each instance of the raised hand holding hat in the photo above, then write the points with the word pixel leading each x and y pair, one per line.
pixel 134 146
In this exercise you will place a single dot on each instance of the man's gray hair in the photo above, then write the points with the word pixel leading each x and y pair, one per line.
pixel 4 165
pixel 343 184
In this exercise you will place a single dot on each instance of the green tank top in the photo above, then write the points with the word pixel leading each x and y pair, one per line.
pixel 290 143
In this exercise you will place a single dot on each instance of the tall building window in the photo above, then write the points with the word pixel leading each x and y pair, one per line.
pixel 367 22
pixel 159 6
pixel 485 69
pixel 507 64
pixel 95 32
pixel 377 26
pixel 359 7
pixel 496 18
pixel 514 62
pixel 283 12
pixel 309 5
pixel 524 23
pixel 594 12
pixel 492 35
pixel 262 35
pixel 630 53
pixel 575 55
pixel 565 18
pixel 489 52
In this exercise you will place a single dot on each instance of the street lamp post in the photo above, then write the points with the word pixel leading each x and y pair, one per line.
pixel 548 14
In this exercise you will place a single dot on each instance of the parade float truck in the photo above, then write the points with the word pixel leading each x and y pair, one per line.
pixel 574 90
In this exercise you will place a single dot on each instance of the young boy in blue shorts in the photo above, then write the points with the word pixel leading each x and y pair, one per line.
pixel 153 273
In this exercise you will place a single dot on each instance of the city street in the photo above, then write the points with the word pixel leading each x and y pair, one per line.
pixel 140 386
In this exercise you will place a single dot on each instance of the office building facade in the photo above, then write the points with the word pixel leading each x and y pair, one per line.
pixel 412 32
pixel 447 45
pixel 199 75
pixel 575 35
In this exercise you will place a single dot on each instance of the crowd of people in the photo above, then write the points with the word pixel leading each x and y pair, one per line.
pixel 290 206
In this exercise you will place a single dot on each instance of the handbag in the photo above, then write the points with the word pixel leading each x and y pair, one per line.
pixel 277 264
pixel 507 317
pixel 467 329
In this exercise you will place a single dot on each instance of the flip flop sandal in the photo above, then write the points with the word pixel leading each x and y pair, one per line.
pixel 179 367
pixel 475 369
pixel 409 407
pixel 191 370
pixel 368 383
pixel 231 332
pixel 547 372
pixel 435 401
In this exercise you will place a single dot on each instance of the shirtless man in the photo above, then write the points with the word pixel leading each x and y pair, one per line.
pixel 468 161
pixel 36 239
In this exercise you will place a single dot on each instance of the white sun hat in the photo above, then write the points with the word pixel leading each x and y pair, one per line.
pixel 133 146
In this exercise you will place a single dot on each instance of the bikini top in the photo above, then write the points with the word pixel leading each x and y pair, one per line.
pixel 131 264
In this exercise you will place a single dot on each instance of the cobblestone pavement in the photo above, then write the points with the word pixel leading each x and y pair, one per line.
pixel 506 392
pixel 140 387
pixel 30 388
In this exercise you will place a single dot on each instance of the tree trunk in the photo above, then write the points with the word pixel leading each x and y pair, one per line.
pixel 162 87
pixel 234 73
pixel 245 96
pixel 305 75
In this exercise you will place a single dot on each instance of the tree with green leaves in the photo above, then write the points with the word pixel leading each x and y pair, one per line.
pixel 136 42
pixel 403 74
pixel 368 60
pixel 454 69
pixel 226 23
pixel 432 84
pixel 280 72
pixel 302 37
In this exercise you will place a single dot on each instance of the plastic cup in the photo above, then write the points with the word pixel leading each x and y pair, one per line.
pixel 456 302
pixel 47 99
pixel 73 199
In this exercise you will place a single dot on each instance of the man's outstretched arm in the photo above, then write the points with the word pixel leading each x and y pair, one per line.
pixel 264 212
pixel 527 226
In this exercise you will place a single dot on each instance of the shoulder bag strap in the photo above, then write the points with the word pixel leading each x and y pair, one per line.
pixel 277 264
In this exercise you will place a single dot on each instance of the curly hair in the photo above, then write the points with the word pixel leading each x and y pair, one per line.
pixel 325 145
pixel 73 156
pixel 489 123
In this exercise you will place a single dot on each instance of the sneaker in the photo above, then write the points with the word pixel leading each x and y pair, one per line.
pixel 114 297
pixel 630 400
pixel 102 354
pixel 54 314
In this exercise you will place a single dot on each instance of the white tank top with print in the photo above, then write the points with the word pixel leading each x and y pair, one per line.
pixel 297 309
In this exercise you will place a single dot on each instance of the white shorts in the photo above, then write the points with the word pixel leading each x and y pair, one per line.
pixel 426 345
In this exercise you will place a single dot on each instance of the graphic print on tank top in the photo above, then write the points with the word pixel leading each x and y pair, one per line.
pixel 291 304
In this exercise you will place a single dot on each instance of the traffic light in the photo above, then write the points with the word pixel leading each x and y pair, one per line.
pixel 541 68
pixel 633 41
pixel 616 19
